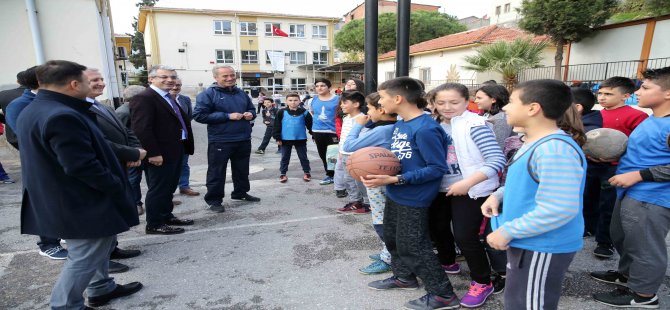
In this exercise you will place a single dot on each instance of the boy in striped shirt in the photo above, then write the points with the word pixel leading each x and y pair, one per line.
pixel 541 226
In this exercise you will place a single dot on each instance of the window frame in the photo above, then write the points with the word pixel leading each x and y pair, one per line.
pixel 267 58
pixel 247 32
pixel 223 51
pixel 296 62
pixel 222 23
pixel 298 86
pixel 249 56
pixel 295 34
pixel 271 33
pixel 281 85
pixel 317 34
pixel 321 61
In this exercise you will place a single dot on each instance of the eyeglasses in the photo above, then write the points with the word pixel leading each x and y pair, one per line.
pixel 164 77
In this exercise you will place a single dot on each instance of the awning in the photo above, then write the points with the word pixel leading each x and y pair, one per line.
pixel 351 66
pixel 247 74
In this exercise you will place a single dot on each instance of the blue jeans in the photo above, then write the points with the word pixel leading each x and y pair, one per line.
pixel 300 148
pixel 3 174
pixel 135 178
pixel 185 173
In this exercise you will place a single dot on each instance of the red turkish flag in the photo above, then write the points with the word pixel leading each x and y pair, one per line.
pixel 278 32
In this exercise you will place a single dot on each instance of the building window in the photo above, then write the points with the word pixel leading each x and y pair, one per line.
pixel 507 7
pixel 390 75
pixel 223 27
pixel 424 75
pixel 224 56
pixel 276 83
pixel 297 31
pixel 297 58
pixel 320 58
pixel 267 58
pixel 247 29
pixel 319 32
pixel 249 57
pixel 498 10
pixel 268 29
pixel 298 84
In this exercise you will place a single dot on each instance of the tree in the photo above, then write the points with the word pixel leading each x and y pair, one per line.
pixel 423 26
pixel 507 58
pixel 138 56
pixel 564 21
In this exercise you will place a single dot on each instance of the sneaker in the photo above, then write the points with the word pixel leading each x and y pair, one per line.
pixel 604 250
pixel 498 284
pixel 7 181
pixel 56 252
pixel 476 295
pixel 283 179
pixel 377 256
pixel 364 210
pixel 326 181
pixel 341 193
pixel 625 298
pixel 454 268
pixel 307 177
pixel 610 276
pixel 376 267
pixel 430 302
pixel 350 207
pixel 260 152
pixel 217 208
pixel 393 283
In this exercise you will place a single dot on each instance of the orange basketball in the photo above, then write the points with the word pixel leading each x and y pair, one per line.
pixel 372 160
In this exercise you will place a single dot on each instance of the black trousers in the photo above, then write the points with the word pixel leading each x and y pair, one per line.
pixel 162 181
pixel 218 155
pixel 266 138
pixel 408 240
pixel 300 148
pixel 466 217
pixel 599 200
pixel 323 140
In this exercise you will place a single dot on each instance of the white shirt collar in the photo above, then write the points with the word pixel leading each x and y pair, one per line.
pixel 159 91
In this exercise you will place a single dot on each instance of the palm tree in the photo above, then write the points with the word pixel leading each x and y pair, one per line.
pixel 507 58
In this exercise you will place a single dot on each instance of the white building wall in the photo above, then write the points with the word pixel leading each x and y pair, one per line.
pixel 660 47
pixel 618 44
pixel 504 17
pixel 70 31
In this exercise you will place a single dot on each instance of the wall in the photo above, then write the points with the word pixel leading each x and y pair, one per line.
pixel 660 47
pixel 510 17
pixel 618 44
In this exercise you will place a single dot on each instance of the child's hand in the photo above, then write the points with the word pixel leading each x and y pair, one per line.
pixel 498 240
pixel 266 123
pixel 490 207
pixel 362 119
pixel 373 181
pixel 626 180
pixel 278 142
pixel 459 188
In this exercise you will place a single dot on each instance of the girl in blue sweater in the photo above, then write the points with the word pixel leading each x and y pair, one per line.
pixel 474 159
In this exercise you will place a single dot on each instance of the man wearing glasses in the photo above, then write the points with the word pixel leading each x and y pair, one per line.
pixel 165 133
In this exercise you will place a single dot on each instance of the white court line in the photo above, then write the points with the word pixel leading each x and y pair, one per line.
pixel 198 231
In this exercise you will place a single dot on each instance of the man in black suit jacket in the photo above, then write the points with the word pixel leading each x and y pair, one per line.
pixel 186 106
pixel 164 131
pixel 74 186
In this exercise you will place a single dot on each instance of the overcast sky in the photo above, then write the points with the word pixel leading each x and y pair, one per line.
pixel 123 11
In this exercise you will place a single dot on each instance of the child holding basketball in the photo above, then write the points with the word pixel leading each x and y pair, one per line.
pixel 475 160
pixel 599 194
pixel 541 224
pixel 352 104
pixel 289 131
pixel 421 146
pixel 641 218
pixel 379 134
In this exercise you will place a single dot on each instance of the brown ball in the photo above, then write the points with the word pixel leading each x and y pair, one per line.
pixel 605 143
pixel 372 161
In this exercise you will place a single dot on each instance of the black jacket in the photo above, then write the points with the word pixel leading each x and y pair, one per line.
pixel 123 141
pixel 6 96
pixel 74 186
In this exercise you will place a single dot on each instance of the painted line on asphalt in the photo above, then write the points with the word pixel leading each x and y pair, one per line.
pixel 191 232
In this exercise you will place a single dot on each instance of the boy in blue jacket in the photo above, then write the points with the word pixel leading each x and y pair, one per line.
pixel 419 142
pixel 541 225
pixel 289 131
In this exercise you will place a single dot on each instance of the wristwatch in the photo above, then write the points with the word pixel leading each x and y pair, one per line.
pixel 401 180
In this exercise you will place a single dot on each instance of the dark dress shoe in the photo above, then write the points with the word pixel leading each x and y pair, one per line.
pixel 178 222
pixel 176 202
pixel 164 230
pixel 246 197
pixel 217 208
pixel 119 291
pixel 188 192
pixel 115 267
pixel 121 254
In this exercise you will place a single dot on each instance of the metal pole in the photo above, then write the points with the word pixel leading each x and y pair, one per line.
pixel 402 41
pixel 35 31
pixel 371 31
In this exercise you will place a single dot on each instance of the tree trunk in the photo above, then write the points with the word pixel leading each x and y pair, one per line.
pixel 558 59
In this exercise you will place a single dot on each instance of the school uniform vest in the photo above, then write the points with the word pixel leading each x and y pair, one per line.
pixel 293 126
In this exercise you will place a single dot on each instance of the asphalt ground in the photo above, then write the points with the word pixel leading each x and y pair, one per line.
pixel 290 251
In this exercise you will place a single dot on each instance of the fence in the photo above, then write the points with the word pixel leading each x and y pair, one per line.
pixel 595 72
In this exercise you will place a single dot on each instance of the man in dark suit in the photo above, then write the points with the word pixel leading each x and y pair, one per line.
pixel 64 155
pixel 186 106
pixel 165 133
pixel 123 142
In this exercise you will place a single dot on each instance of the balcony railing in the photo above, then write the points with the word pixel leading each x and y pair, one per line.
pixel 595 72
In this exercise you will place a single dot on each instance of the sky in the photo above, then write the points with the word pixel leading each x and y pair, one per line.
pixel 123 11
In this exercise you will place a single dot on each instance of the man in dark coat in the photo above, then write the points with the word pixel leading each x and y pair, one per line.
pixel 187 106
pixel 74 187
pixel 165 132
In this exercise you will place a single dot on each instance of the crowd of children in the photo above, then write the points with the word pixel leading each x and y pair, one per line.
pixel 523 152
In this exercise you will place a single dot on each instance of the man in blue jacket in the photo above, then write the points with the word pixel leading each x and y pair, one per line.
pixel 228 113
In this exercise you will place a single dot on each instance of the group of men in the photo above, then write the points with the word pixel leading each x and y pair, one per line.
pixel 76 152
